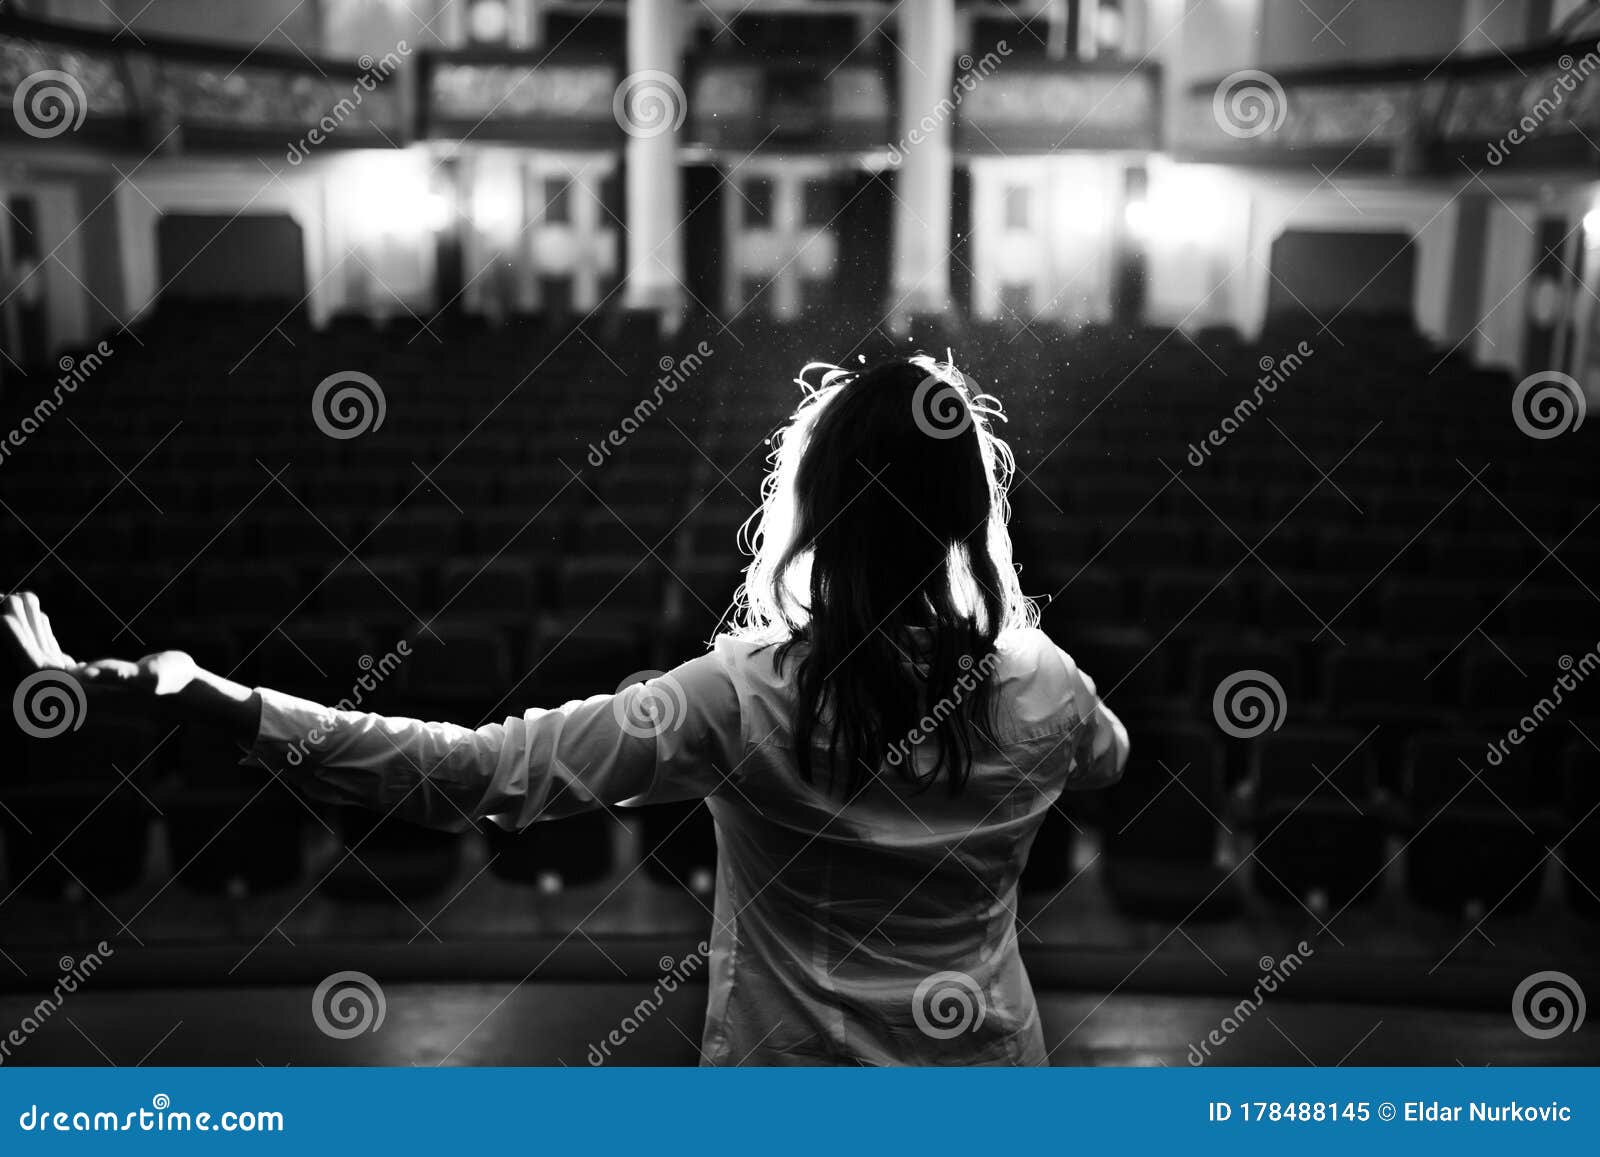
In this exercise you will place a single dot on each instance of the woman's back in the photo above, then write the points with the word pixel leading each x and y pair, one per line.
pixel 877 925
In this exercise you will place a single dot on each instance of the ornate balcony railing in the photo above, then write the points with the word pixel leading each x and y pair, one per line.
pixel 562 98
pixel 742 102
pixel 1534 109
pixel 1028 105
pixel 59 81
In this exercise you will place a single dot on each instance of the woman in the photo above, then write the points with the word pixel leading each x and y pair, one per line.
pixel 879 738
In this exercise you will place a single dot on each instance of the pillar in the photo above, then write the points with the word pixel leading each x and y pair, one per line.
pixel 920 281
pixel 655 273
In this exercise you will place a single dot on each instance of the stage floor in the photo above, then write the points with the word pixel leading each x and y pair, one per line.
pixel 542 1023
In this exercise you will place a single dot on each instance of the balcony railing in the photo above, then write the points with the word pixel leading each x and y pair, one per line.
pixel 1534 109
pixel 1031 104
pixel 57 81
pixel 562 97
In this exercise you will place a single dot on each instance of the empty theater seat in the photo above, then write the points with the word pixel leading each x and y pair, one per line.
pixel 1165 826
pixel 1317 816
pixel 1477 834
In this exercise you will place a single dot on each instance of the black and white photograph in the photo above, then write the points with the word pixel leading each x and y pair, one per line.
pixel 692 534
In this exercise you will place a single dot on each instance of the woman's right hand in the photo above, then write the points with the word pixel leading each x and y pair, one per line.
pixel 30 638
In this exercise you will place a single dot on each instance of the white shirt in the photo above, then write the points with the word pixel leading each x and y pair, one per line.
pixel 878 930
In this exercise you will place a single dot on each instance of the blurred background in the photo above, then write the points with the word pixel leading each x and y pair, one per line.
pixel 421 355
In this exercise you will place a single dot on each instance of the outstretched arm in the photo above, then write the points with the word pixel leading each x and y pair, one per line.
pixel 199 695
pixel 674 737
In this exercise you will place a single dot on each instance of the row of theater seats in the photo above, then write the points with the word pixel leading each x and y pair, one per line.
pixel 1323 829
pixel 1302 626
pixel 1462 835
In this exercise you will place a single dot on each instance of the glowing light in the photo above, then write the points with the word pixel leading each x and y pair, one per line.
pixel 1591 224
pixel 1136 215
pixel 437 211
pixel 1181 211
pixel 489 21
pixel 496 208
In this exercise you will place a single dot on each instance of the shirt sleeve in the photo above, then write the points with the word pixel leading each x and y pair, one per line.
pixel 1100 741
pixel 673 737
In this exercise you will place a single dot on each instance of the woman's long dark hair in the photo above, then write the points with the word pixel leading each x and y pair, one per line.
pixel 881 544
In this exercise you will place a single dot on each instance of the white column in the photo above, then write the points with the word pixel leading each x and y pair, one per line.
pixel 1088 45
pixel 921 262
pixel 655 252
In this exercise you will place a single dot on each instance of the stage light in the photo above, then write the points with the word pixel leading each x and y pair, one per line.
pixel 1591 224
